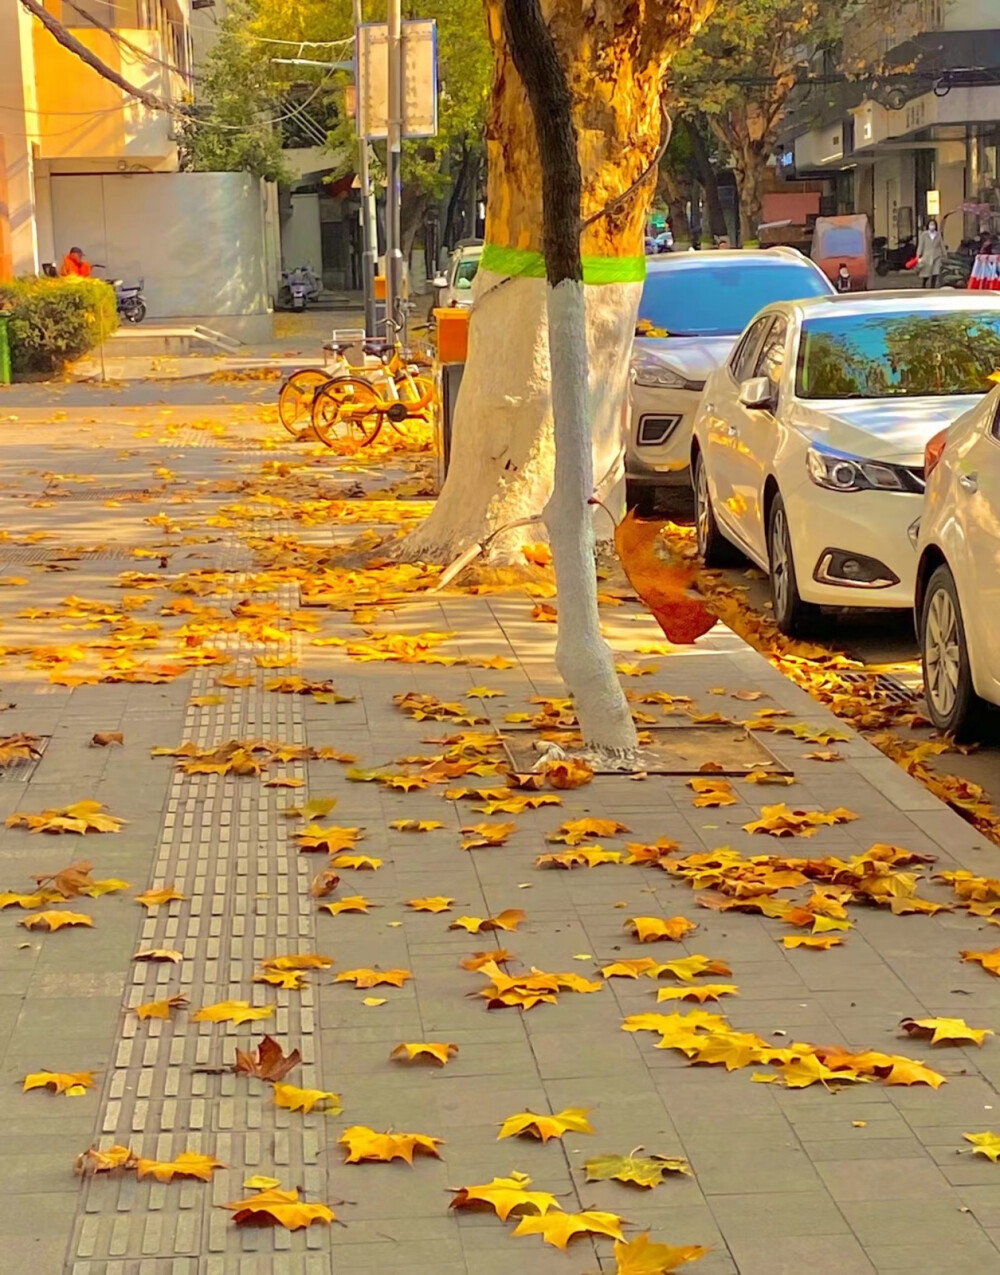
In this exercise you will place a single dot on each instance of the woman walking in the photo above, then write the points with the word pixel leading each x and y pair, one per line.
pixel 930 255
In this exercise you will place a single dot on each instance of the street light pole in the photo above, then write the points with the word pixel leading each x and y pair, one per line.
pixel 369 232
pixel 394 142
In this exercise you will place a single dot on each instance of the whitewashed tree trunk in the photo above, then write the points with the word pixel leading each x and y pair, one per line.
pixel 502 447
pixel 583 658
pixel 613 54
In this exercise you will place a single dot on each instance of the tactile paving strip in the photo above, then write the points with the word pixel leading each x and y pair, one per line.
pixel 225 845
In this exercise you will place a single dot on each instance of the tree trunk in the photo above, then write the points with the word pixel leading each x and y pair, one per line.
pixel 676 194
pixel 613 54
pixel 582 656
pixel 707 179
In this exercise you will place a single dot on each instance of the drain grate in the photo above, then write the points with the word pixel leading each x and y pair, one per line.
pixel 884 684
pixel 128 494
pixel 19 772
pixel 670 750
pixel 28 556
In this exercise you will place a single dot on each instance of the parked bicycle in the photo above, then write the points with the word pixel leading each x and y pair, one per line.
pixel 345 401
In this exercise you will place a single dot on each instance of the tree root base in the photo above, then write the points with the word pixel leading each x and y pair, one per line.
pixel 624 761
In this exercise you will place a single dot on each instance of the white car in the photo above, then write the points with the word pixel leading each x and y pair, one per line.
pixel 694 306
pixel 958 570
pixel 454 285
pixel 808 449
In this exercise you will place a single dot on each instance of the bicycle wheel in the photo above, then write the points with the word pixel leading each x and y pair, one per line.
pixel 417 392
pixel 295 399
pixel 347 409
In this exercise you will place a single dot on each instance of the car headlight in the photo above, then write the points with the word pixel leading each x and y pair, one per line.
pixel 837 472
pixel 657 377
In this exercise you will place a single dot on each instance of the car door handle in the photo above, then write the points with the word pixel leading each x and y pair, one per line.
pixel 969 481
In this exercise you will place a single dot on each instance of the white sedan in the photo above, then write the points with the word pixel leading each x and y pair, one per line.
pixel 808 448
pixel 958 571
pixel 694 306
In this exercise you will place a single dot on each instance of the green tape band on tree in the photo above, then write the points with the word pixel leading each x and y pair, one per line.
pixel 521 263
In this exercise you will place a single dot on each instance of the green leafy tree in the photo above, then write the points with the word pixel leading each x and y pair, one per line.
pixel 741 71
pixel 243 89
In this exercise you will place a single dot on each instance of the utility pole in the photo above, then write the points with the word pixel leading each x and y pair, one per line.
pixel 394 145
pixel 369 232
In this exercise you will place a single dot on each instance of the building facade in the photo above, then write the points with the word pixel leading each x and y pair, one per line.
pixel 909 122
pixel 61 120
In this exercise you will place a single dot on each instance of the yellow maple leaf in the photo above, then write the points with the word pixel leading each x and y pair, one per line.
pixel 486 834
pixel 363 1143
pixel 71 1083
pixel 573 831
pixel 281 1208
pixel 351 903
pixel 652 929
pixel 305 1100
pixel 990 961
pixel 946 1031
pixel 161 1009
pixel 642 1257
pixel 189 1164
pixel 359 862
pixel 159 954
pixel 820 942
pixel 232 1012
pixel 508 919
pixel 411 1050
pixel 505 1196
pixel 55 920
pixel 559 1228
pixel 153 898
pixel 366 978
pixel 986 1144
pixel 415 825
pixel 572 1119
pixel 706 992
pixel 433 903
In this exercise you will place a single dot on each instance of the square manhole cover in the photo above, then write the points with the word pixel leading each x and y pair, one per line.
pixel 670 750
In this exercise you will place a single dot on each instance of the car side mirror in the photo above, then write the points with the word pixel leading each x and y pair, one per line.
pixel 440 281
pixel 757 393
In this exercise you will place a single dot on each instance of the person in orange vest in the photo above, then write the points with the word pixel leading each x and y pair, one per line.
pixel 74 263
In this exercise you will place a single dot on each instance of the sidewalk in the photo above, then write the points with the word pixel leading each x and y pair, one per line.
pixel 864 1178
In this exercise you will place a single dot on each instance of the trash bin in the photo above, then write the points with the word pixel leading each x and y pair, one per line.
pixel 4 351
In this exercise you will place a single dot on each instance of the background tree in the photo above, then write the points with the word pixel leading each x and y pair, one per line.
pixel 614 54
pixel 740 73
pixel 242 88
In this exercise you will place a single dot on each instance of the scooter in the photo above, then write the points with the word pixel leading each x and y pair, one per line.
pixel 130 301
pixel 888 259
pixel 298 288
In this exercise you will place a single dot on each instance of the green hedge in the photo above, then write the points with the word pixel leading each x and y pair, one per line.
pixel 55 320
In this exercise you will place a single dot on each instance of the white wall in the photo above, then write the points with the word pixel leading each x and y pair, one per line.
pixel 198 239
pixel 17 117
pixel 301 241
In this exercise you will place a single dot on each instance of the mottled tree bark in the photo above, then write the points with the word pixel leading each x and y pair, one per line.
pixel 613 54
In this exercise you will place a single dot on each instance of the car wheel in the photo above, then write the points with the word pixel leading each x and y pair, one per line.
pixel 714 548
pixel 952 702
pixel 793 617
pixel 641 498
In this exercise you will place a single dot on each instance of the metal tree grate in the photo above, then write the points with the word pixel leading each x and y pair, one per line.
pixel 27 555
pixel 671 750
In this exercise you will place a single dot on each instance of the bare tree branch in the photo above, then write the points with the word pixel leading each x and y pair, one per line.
pixel 59 33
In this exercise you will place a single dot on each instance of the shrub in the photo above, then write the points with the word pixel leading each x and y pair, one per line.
pixel 55 320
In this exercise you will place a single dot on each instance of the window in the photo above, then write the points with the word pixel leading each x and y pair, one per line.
pixel 465 272
pixel 772 354
pixel 705 298
pixel 907 354
pixel 741 364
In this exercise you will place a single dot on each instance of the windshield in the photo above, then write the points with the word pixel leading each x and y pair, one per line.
pixel 720 300
pixel 466 272
pixel 906 355
pixel 842 241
